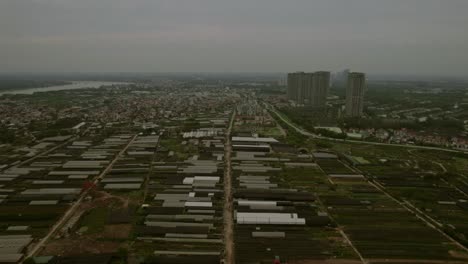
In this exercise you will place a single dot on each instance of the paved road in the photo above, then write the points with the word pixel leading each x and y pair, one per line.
pixel 307 133
pixel 72 210
pixel 227 210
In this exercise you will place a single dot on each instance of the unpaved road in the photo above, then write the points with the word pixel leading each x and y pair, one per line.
pixel 227 210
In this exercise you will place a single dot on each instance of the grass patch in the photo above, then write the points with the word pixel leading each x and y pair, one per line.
pixel 95 220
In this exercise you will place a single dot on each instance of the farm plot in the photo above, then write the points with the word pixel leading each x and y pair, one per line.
pixel 438 195
pixel 181 218
pixel 381 229
pixel 37 193
pixel 276 212
pixel 334 167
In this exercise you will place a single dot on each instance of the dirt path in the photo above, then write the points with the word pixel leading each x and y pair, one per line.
pixel 429 221
pixel 345 237
pixel 442 167
pixel 343 234
pixel 327 261
pixel 148 176
pixel 227 211
pixel 436 226
pixel 103 197
pixel 73 209
pixel 280 128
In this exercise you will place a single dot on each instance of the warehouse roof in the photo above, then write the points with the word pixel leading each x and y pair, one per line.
pixel 255 139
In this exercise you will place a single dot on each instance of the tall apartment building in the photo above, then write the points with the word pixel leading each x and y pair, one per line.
pixel 321 85
pixel 355 94
pixel 299 84
pixel 294 82
pixel 308 88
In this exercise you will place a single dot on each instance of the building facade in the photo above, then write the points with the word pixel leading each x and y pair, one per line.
pixel 320 87
pixel 355 94
pixel 309 89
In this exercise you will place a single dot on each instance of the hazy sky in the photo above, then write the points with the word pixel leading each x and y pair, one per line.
pixel 376 36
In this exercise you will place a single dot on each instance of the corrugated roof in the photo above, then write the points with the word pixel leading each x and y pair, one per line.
pixel 123 186
pixel 255 139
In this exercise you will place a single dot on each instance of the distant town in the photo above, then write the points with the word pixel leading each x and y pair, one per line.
pixel 425 121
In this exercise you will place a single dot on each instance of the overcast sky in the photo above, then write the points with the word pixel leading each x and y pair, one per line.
pixel 422 37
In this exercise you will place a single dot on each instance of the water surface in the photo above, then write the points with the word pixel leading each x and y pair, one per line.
pixel 72 86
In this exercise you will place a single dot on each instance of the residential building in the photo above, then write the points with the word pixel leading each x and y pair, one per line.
pixel 355 94
pixel 320 88
pixel 308 88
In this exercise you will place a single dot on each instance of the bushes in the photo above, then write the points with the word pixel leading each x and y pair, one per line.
pixel 293 137
pixel 7 135
pixel 328 133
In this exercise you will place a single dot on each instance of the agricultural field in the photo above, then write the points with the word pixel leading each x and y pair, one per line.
pixel 420 181
pixel 270 187
pixel 162 193
pixel 36 193
pixel 181 215
pixel 381 196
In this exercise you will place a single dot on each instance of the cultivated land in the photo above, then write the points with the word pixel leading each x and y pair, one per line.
pixel 182 173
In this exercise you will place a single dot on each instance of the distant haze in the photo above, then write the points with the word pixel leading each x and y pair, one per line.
pixel 401 37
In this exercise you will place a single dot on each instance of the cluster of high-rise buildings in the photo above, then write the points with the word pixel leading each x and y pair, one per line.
pixel 311 89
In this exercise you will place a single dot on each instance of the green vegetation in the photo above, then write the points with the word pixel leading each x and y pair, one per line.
pixel 7 135
pixel 95 220
pixel 181 152
pixel 292 136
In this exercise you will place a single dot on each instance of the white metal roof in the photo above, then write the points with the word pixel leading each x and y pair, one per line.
pixel 255 139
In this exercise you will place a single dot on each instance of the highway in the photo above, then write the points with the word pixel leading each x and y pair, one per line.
pixel 307 133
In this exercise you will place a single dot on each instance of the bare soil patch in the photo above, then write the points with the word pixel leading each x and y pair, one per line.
pixel 120 231
pixel 458 254
pixel 78 246
pixel 327 261
pixel 75 244
pixel 415 261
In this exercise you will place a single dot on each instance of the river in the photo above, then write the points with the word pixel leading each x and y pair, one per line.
pixel 74 85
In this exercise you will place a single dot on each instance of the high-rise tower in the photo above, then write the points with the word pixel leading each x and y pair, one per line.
pixel 320 86
pixel 355 94
pixel 308 88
